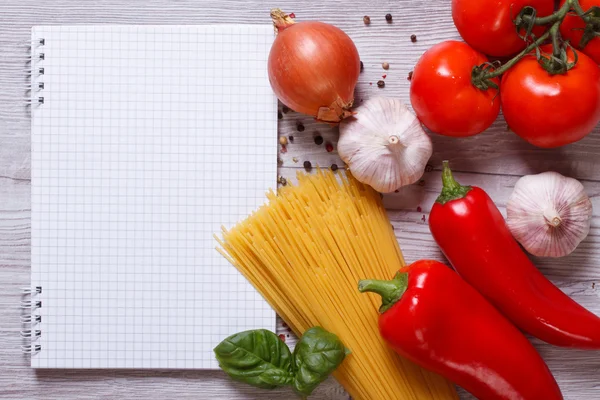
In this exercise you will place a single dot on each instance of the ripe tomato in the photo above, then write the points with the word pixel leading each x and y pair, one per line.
pixel 572 30
pixel 551 110
pixel 443 96
pixel 487 25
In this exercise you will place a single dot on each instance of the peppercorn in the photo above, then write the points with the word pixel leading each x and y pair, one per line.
pixel 334 167
pixel 367 20
pixel 361 66
pixel 413 38
pixel 385 66
pixel 318 140
pixel 380 84
pixel 307 166
pixel 295 159
pixel 328 147
pixel 285 109
pixel 388 17
pixel 410 74
pixel 428 168
pixel 279 115
pixel 282 181
pixel 300 127
pixel 283 140
pixel 291 138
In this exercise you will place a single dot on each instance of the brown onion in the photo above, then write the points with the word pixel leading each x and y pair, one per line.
pixel 313 68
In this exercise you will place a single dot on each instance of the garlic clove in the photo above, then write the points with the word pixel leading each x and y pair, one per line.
pixel 549 214
pixel 384 144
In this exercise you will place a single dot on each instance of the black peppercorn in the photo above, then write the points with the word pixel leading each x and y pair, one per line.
pixel 388 17
pixel 307 165
pixel 361 66
pixel 300 127
pixel 381 84
pixel 334 167
pixel 367 20
pixel 413 38
pixel 291 139
pixel 285 109
pixel 279 115
pixel 318 140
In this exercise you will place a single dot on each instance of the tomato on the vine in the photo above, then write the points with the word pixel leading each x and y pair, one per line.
pixel 487 25
pixel 443 96
pixel 572 30
pixel 551 110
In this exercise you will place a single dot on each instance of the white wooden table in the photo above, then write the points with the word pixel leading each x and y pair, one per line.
pixel 494 161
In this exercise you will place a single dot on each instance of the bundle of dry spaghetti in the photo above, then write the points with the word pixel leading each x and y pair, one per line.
pixel 305 252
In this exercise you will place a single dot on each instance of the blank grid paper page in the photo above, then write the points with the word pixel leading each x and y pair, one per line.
pixel 149 139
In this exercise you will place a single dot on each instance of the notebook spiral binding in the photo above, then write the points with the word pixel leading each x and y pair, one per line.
pixel 31 302
pixel 37 70
pixel 30 320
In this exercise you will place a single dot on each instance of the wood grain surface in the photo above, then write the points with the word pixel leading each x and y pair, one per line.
pixel 493 160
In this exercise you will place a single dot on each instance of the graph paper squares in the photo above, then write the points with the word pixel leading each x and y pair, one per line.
pixel 149 139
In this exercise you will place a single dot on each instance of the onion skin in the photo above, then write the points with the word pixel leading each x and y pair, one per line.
pixel 313 68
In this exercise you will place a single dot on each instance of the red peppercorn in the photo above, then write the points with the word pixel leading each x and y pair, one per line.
pixel 328 147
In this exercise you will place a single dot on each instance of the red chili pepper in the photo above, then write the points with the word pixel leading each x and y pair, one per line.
pixel 473 235
pixel 434 318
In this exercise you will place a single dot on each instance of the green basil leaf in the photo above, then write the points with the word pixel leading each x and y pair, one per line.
pixel 256 357
pixel 316 356
pixel 277 377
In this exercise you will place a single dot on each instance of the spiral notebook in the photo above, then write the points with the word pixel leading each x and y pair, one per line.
pixel 145 140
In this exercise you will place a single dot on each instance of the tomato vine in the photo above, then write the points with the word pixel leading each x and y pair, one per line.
pixel 555 63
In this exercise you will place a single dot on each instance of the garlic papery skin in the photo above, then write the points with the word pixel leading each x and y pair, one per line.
pixel 549 214
pixel 384 144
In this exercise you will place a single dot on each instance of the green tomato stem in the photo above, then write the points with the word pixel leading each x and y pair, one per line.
pixel 509 64
pixel 555 35
pixel 578 9
pixel 556 19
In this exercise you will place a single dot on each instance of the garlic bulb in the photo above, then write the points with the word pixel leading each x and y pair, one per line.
pixel 549 214
pixel 384 144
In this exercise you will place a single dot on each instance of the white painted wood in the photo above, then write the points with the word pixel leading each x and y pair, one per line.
pixel 493 160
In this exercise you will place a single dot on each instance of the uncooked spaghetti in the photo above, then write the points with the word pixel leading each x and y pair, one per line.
pixel 305 252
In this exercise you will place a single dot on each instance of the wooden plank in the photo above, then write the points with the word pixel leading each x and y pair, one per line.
pixel 496 152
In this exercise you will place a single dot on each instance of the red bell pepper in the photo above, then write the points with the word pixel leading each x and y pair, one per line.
pixel 474 237
pixel 434 318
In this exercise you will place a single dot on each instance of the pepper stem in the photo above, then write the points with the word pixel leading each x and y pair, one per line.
pixel 451 190
pixel 390 291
